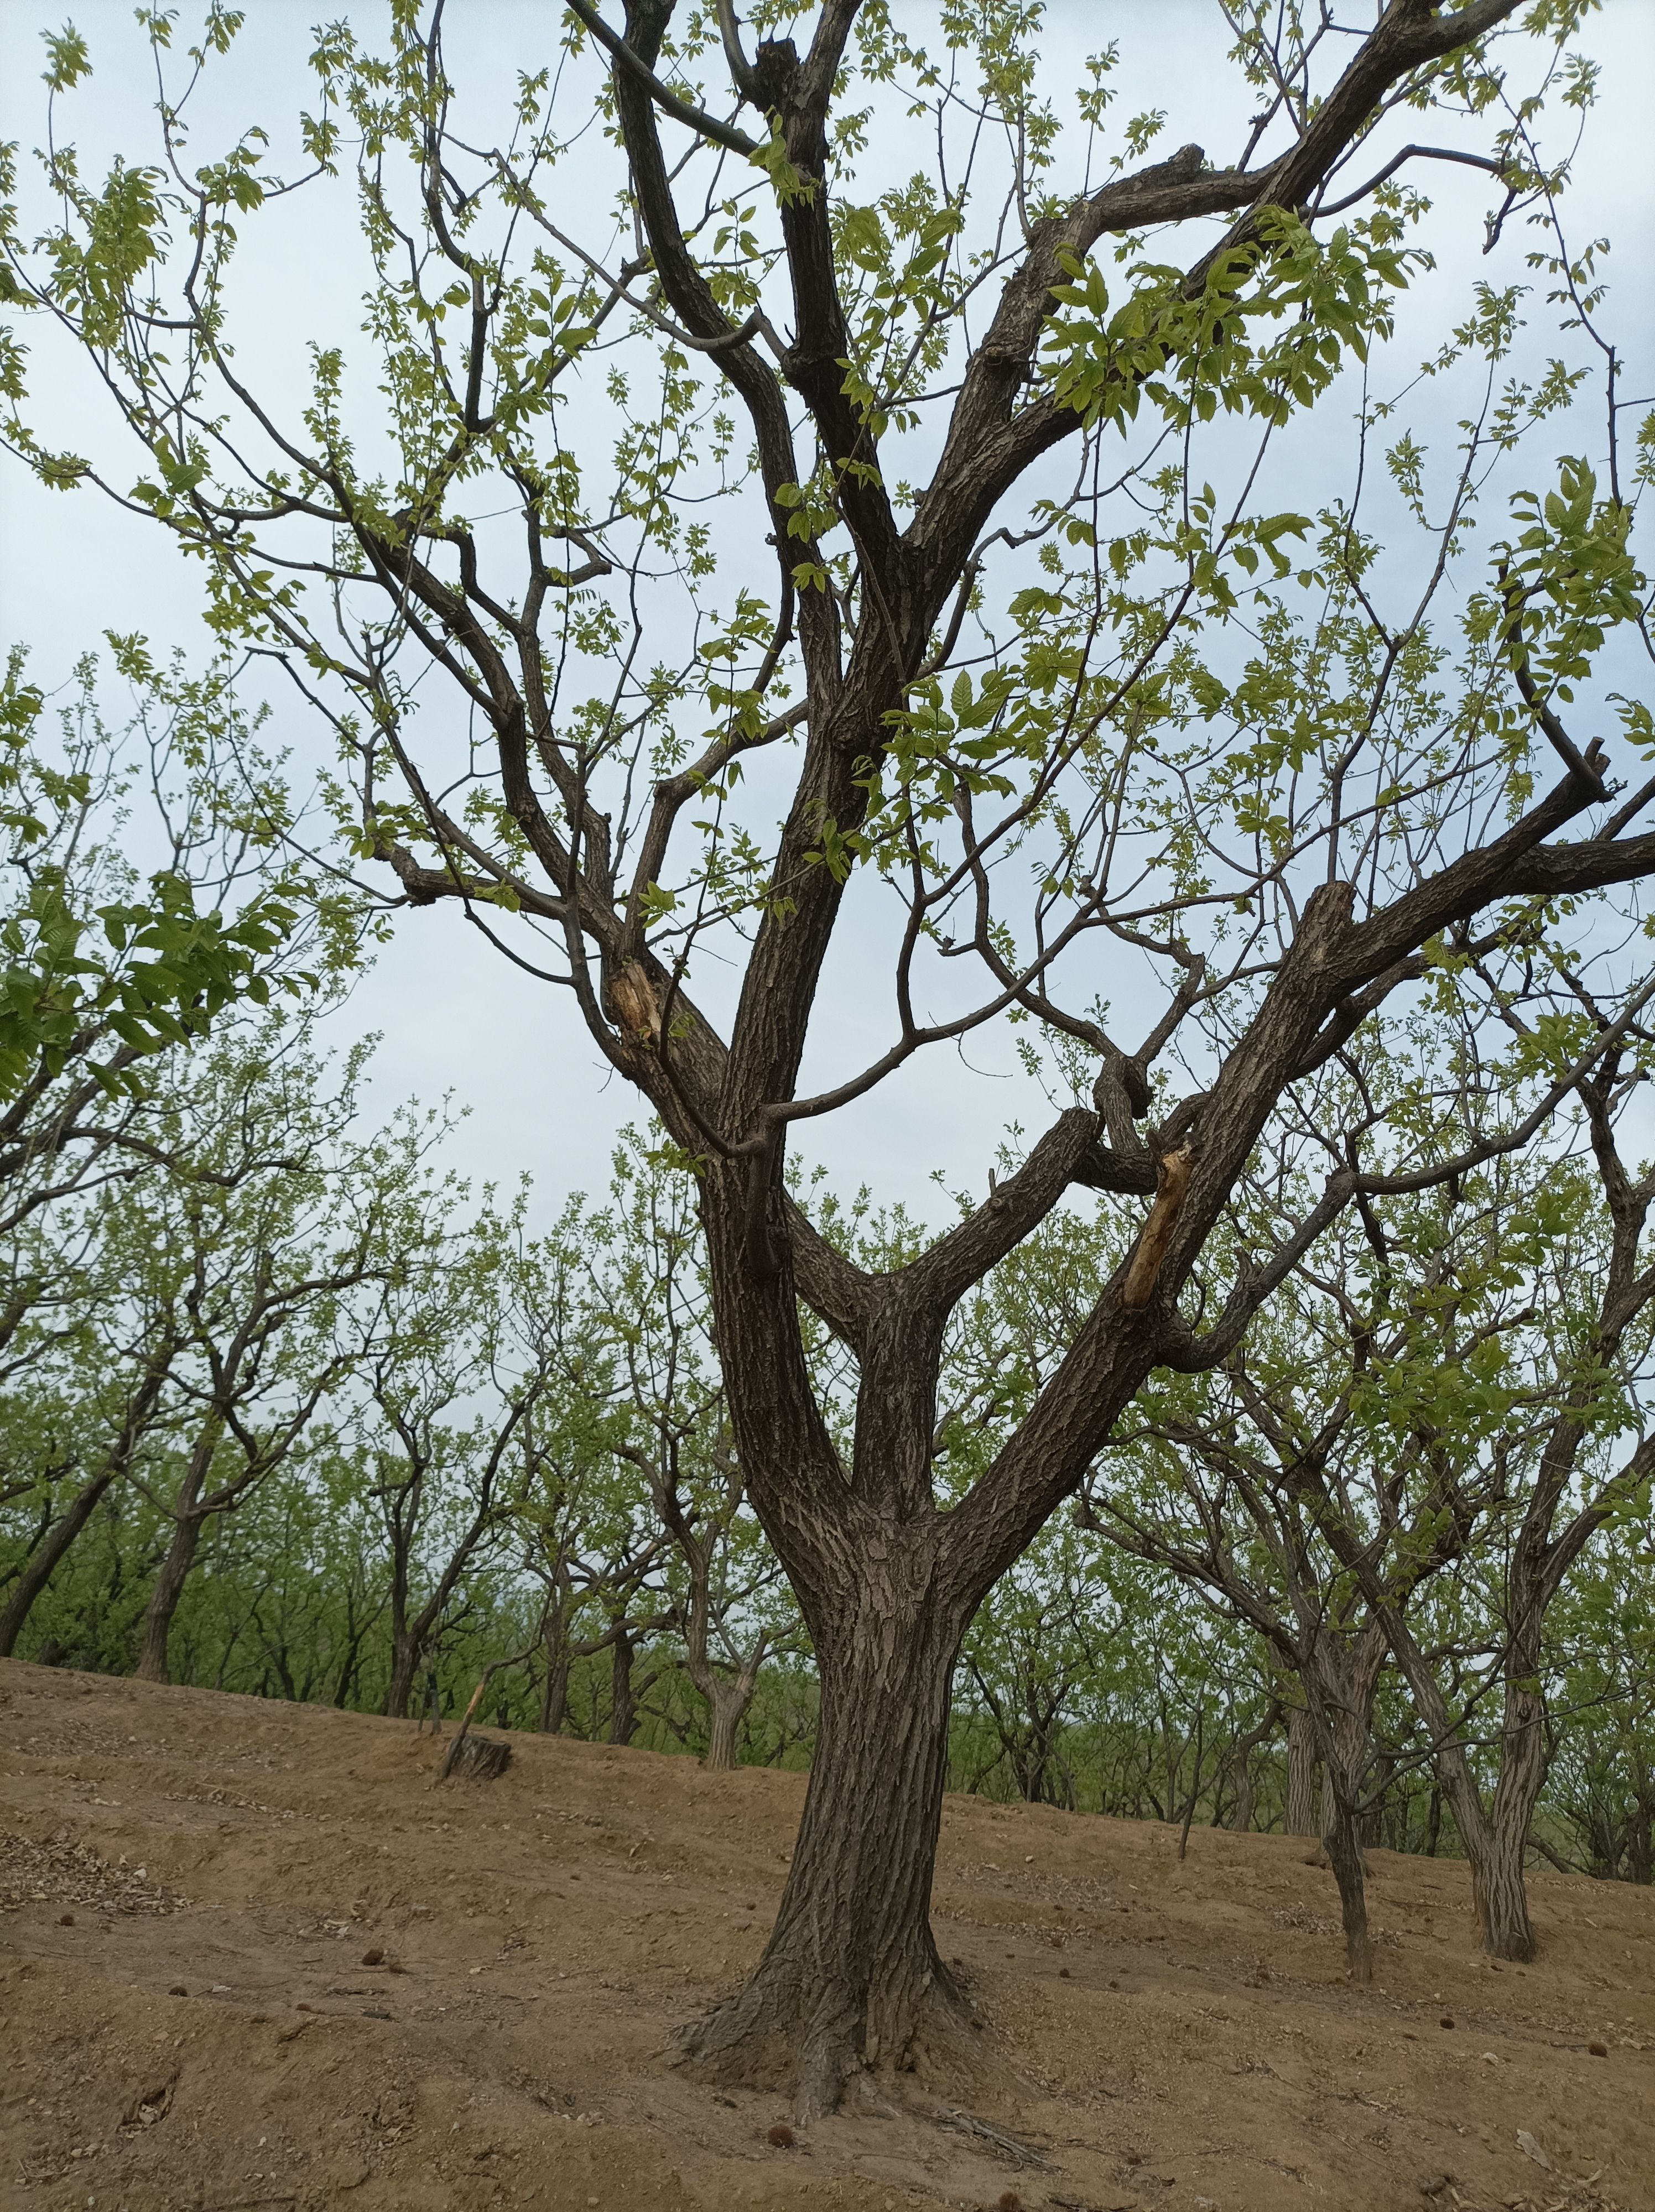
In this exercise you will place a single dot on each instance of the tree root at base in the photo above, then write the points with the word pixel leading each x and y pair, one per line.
pixel 762 2038
pixel 967 2124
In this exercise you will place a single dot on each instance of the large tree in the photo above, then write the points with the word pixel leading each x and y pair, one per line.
pixel 1018 701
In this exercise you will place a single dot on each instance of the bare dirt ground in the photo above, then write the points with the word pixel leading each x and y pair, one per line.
pixel 251 1956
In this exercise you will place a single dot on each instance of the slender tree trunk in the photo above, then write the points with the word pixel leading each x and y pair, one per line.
pixel 554 1698
pixel 1350 1683
pixel 1300 1812
pixel 405 1652
pixel 352 1660
pixel 1372 1820
pixel 38 1571
pixel 726 1695
pixel 1640 1828
pixel 179 1557
pixel 1433 1821
pixel 1640 1852
pixel 1339 1726
pixel 851 1977
pixel 166 1592
pixel 407 1644
pixel 1345 1857
pixel 1494 1847
pixel 1241 1764
pixel 555 1639
pixel 622 1701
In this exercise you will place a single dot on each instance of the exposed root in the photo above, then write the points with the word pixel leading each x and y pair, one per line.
pixel 772 2033
pixel 967 2124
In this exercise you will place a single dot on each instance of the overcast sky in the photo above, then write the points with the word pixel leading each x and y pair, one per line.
pixel 456 1017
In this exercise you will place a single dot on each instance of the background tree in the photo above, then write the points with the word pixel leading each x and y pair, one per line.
pixel 1035 1649
pixel 1600 1775
pixel 649 1280
pixel 72 1427
pixel 110 975
pixel 1548 1474
pixel 105 968
pixel 267 1217
pixel 449 1386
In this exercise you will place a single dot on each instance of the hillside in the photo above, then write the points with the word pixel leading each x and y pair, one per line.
pixel 250 1956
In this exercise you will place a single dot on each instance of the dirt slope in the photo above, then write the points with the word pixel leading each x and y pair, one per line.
pixel 192 1886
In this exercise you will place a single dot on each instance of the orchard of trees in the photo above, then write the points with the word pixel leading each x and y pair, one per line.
pixel 840 559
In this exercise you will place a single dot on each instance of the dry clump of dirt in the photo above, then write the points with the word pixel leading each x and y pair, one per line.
pixel 254 1955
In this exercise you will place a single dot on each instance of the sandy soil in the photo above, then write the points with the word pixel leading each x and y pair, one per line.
pixel 251 1956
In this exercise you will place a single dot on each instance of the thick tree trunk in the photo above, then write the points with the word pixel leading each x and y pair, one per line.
pixel 1346 1857
pixel 1300 1812
pixel 168 1588
pixel 724 1710
pixel 404 1665
pixel 850 1978
pixel 1501 1895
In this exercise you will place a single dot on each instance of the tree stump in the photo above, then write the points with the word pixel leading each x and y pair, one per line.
pixel 477 1758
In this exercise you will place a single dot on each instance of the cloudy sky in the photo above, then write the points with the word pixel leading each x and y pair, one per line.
pixel 454 1017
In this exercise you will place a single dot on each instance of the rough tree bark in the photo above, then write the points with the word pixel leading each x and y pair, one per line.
pixel 406 1653
pixel 554 1696
pixel 1339 1727
pixel 623 1696
pixel 1298 1817
pixel 851 1976
pixel 726 1691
